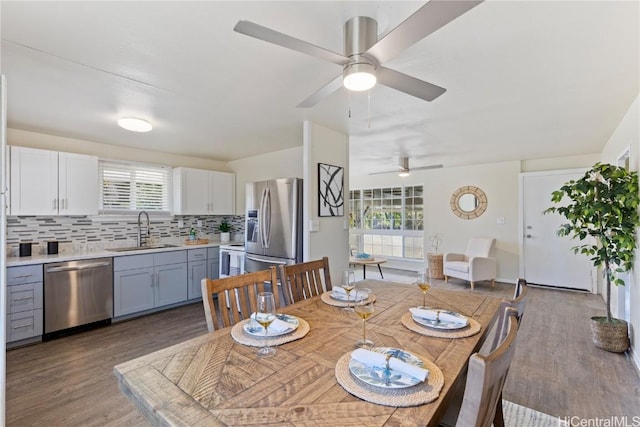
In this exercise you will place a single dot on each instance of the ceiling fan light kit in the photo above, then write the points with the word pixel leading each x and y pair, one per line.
pixel 358 77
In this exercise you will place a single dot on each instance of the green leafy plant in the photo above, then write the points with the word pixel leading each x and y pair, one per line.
pixel 224 227
pixel 603 205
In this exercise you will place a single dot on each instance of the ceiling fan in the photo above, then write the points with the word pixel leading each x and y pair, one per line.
pixel 364 53
pixel 403 168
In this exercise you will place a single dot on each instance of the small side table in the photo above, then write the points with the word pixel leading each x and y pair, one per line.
pixel 436 265
pixel 365 262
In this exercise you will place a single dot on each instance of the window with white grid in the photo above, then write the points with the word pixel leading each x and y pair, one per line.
pixel 133 187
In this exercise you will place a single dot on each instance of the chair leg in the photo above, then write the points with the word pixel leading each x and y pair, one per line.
pixel 498 419
pixel 493 283
pixel 472 285
pixel 446 279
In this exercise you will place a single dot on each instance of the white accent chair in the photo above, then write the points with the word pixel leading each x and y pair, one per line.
pixel 477 263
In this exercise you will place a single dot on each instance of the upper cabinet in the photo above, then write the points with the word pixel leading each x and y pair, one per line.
pixel 203 192
pixel 47 182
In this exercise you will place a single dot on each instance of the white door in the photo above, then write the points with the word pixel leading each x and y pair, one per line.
pixel 547 259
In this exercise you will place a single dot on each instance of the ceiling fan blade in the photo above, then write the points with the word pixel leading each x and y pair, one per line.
pixel 430 17
pixel 263 33
pixel 409 85
pixel 322 93
pixel 380 173
pixel 424 168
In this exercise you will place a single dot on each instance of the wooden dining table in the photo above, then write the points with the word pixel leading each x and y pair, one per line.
pixel 213 380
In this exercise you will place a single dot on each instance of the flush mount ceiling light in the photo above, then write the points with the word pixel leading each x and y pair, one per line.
pixel 134 124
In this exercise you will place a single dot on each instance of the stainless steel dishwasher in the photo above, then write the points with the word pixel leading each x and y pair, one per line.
pixel 77 293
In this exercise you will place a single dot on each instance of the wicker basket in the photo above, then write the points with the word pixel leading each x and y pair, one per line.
pixel 612 337
pixel 435 265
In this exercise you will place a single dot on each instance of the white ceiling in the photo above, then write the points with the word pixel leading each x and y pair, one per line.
pixel 524 79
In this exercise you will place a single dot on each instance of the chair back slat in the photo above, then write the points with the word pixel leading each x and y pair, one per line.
pixel 306 279
pixel 229 300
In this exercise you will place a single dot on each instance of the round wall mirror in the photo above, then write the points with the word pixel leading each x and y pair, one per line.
pixel 468 202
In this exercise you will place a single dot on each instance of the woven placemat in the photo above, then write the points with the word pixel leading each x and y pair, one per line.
pixel 399 397
pixel 473 328
pixel 327 299
pixel 238 334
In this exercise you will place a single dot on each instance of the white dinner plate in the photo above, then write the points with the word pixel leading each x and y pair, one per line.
pixel 343 297
pixel 253 328
pixel 378 375
pixel 441 324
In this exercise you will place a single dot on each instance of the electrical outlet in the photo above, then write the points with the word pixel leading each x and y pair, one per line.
pixel 180 223
pixel 199 223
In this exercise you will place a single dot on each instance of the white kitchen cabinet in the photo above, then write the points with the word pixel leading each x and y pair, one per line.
pixel 148 281
pixel 24 303
pixel 46 182
pixel 203 192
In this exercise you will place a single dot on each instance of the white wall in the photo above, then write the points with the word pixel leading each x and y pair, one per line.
pixel 323 145
pixel 279 164
pixel 43 141
pixel 627 137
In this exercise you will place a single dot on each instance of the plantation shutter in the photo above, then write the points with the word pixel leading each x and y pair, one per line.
pixel 133 187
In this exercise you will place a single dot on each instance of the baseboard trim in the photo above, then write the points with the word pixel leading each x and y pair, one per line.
pixel 635 360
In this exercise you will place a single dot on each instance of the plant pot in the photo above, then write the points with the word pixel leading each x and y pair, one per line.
pixel 611 336
pixel 225 237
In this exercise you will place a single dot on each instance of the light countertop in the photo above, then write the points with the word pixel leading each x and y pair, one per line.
pixel 101 253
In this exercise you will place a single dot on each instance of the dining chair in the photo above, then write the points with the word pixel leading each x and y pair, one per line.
pixel 232 299
pixel 485 379
pixel 305 280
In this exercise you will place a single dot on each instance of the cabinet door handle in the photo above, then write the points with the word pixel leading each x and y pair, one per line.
pixel 55 204
pixel 28 325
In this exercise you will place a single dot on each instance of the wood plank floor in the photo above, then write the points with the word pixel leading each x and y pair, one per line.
pixel 556 370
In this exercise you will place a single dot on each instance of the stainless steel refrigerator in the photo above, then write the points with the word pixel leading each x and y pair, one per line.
pixel 273 224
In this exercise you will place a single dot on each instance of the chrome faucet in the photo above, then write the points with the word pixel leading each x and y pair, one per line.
pixel 142 239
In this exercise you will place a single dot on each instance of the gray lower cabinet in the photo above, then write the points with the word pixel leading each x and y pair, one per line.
pixel 144 282
pixel 213 263
pixel 24 302
pixel 197 261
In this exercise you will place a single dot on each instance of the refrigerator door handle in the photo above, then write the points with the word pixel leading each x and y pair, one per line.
pixel 261 221
pixel 267 224
pixel 270 261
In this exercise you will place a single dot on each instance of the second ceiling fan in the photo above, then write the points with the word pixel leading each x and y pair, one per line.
pixel 364 53
pixel 403 168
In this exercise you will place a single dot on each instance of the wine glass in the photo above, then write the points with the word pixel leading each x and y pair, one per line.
pixel 348 283
pixel 364 309
pixel 265 315
pixel 424 283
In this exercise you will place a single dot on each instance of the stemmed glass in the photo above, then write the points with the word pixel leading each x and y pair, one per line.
pixel 424 283
pixel 364 309
pixel 265 315
pixel 348 283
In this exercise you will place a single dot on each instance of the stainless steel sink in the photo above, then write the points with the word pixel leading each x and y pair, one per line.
pixel 142 248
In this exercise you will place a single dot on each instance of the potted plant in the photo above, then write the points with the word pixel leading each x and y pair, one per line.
pixel 603 205
pixel 225 231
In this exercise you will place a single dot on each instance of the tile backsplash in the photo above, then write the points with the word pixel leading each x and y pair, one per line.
pixel 83 234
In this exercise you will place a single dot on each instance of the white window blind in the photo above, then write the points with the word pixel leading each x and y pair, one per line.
pixel 133 187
